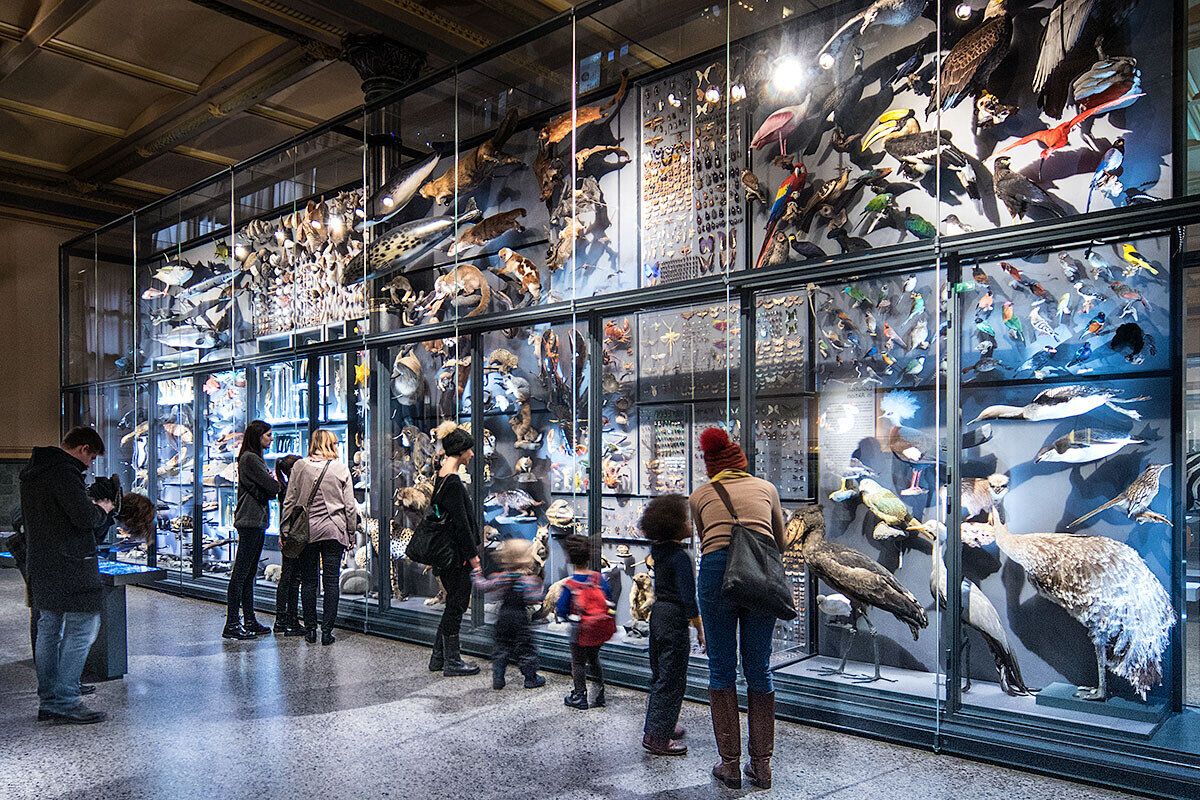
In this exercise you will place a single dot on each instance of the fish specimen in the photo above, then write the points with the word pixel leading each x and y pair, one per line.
pixel 392 198
pixel 561 126
pixel 1106 586
pixel 893 13
pixel 1135 260
pixel 791 185
pixel 523 270
pixel 405 244
pixel 1064 29
pixel 970 63
pixel 1061 402
pixel 1136 498
pixel 512 500
pixel 1018 193
pixel 484 231
pixel 1084 445
pixel 920 151
pixel 865 581
pixel 1130 340
pixel 468 172
pixel 175 274
pixel 1058 137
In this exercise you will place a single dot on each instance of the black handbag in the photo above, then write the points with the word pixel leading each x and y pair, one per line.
pixel 754 576
pixel 294 533
pixel 432 543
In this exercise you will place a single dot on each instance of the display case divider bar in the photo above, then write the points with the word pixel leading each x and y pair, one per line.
pixel 151 402
pixel 199 421
pixel 476 468
pixel 595 412
pixel 953 538
pixel 1178 576
pixel 64 321
pixel 1179 90
pixel 382 478
pixel 746 383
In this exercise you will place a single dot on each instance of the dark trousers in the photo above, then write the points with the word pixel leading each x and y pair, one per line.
pixel 670 646
pixel 287 594
pixel 457 583
pixel 240 595
pixel 582 657
pixel 513 641
pixel 324 557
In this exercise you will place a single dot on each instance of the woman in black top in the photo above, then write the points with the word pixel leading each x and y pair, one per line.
pixel 256 487
pixel 287 595
pixel 665 523
pixel 450 495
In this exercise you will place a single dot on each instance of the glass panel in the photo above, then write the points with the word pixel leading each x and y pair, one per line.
pixel 282 400
pixel 77 319
pixel 224 420
pixel 121 425
pixel 171 473
pixel 114 308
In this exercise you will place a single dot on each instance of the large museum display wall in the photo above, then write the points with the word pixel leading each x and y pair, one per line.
pixel 928 262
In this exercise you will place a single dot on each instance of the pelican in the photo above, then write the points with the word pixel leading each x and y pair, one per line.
pixel 1106 586
pixel 866 582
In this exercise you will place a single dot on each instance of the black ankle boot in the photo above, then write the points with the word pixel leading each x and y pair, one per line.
pixel 598 700
pixel 292 627
pixel 310 635
pixel 235 631
pixel 576 700
pixel 534 681
pixel 327 638
pixel 437 658
pixel 498 675
pixel 255 627
pixel 454 666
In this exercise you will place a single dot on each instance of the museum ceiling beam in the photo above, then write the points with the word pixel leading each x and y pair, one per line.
pixel 242 80
pixel 52 18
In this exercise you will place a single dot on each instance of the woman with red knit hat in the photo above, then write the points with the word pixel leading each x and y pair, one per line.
pixel 732 494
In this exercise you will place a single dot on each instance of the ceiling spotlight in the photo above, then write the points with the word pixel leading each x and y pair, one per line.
pixel 280 235
pixel 335 225
pixel 737 92
pixel 358 212
pixel 239 251
pixel 962 10
pixel 788 74
pixel 713 95
pixel 316 223
pixel 388 202
pixel 826 61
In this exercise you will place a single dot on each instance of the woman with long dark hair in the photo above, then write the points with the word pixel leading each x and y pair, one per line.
pixel 256 487
pixel 731 496
pixel 450 495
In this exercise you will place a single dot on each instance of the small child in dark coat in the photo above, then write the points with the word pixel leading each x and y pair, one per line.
pixel 583 655
pixel 665 523
pixel 517 589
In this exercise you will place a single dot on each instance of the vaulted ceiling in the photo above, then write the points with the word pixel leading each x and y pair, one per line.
pixel 106 105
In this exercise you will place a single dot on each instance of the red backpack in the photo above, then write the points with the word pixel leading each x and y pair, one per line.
pixel 596 621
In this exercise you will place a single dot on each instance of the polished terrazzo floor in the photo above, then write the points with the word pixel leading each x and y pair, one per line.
pixel 199 718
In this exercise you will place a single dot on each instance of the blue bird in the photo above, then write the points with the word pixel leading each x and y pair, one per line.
pixel 1109 169
pixel 1081 355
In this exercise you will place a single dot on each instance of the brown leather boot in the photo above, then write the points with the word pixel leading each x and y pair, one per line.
pixel 727 728
pixel 760 719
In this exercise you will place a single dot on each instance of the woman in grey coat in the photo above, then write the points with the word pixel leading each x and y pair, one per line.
pixel 256 487
pixel 332 521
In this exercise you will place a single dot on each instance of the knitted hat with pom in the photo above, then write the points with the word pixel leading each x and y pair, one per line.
pixel 720 453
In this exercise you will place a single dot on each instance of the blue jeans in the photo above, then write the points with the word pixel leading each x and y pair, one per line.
pixel 722 620
pixel 63 641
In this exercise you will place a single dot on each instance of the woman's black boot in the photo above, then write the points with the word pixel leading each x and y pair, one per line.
pixel 455 667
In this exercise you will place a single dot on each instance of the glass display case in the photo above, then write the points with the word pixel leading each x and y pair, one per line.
pixel 828 231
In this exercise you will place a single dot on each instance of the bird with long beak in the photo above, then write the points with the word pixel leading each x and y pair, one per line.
pixel 1085 445
pixel 1062 402
pixel 920 151
pixel 1136 499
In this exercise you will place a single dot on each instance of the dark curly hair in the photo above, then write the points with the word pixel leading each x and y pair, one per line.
pixel 137 515
pixel 578 550
pixel 665 518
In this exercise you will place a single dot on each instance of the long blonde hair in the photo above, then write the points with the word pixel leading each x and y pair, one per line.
pixel 324 443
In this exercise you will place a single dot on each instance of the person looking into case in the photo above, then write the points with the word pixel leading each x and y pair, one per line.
pixel 287 594
pixel 450 495
pixel 256 486
pixel 731 490
pixel 586 600
pixel 665 523
pixel 62 525
pixel 517 588
pixel 332 518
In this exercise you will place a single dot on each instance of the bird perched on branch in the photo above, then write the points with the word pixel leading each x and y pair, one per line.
pixel 791 185
pixel 1018 193
pixel 971 62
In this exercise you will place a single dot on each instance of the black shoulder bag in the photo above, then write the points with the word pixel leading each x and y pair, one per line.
pixel 294 534
pixel 754 576
pixel 432 543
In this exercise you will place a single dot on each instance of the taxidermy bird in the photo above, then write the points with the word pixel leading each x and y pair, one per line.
pixel 1058 137
pixel 1064 30
pixel 783 122
pixel 866 582
pixel 1061 402
pixel 1084 445
pixel 899 406
pixel 983 495
pixel 977 613
pixel 841 103
pixel 1109 78
pixel 790 186
pixel 1019 193
pixel 893 13
pixel 890 509
pixel 1136 499
pixel 920 151
pixel 1106 586
pixel 1107 173
pixel 970 63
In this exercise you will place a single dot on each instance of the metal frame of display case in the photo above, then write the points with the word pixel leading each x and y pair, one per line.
pixel 1022 740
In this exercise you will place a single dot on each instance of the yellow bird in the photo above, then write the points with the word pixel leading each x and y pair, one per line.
pixel 1136 259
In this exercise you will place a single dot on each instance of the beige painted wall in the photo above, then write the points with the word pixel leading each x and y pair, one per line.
pixel 29 400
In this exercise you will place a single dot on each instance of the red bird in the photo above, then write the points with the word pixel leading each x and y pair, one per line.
pixel 1056 138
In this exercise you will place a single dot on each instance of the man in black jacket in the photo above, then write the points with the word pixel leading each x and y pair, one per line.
pixel 64 580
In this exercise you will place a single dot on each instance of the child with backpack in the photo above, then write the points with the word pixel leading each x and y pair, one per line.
pixel 517 588
pixel 665 523
pixel 586 600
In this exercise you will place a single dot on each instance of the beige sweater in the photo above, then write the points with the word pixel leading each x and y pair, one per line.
pixel 333 513
pixel 757 505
